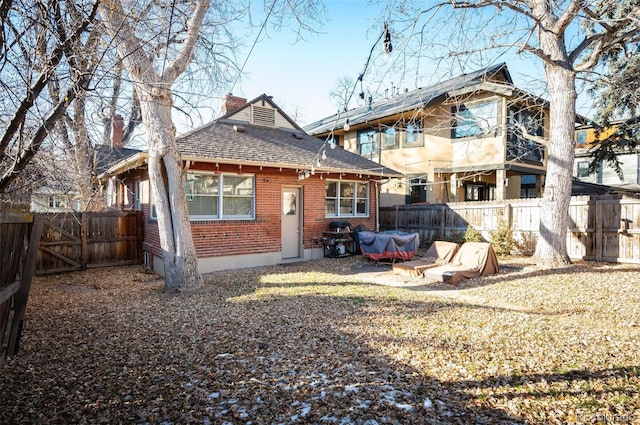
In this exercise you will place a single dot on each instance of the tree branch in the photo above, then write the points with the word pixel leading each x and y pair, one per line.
pixel 181 62
pixel 32 94
pixel 41 134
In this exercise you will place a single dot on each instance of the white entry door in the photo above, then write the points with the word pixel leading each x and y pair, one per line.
pixel 291 219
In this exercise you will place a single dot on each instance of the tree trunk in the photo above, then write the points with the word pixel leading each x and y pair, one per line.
pixel 551 249
pixel 82 148
pixel 167 182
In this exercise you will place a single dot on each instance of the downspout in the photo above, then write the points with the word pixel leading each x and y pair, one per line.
pixel 377 207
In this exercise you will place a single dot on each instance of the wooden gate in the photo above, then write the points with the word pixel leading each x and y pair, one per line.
pixel 77 241
pixel 19 236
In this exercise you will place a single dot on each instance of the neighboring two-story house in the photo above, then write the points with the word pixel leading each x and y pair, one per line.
pixel 470 138
pixel 586 140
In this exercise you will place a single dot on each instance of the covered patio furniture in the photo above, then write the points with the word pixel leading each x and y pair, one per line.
pixel 472 259
pixel 440 252
pixel 391 244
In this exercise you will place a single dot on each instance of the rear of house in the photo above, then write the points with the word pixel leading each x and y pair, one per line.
pixel 260 191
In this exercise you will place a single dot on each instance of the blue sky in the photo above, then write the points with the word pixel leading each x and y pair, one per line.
pixel 300 74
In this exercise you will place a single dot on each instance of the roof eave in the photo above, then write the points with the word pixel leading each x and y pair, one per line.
pixel 372 172
pixel 128 163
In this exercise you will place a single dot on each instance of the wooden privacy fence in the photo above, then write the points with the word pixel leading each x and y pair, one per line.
pixel 19 236
pixel 601 228
pixel 77 241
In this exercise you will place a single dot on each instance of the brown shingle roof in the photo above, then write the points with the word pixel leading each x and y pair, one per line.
pixel 272 147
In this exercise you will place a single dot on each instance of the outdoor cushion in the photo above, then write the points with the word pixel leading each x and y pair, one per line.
pixel 472 259
pixel 440 252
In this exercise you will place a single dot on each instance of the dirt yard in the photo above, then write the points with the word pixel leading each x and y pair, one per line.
pixel 333 341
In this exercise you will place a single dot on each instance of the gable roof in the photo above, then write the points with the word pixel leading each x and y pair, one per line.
pixel 227 141
pixel 263 98
pixel 409 101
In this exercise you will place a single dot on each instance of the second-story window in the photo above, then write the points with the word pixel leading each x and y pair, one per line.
pixel 581 137
pixel 524 124
pixel 412 135
pixel 474 119
pixel 389 137
pixel 367 145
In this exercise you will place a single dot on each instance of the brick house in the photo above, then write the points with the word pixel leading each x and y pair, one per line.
pixel 260 190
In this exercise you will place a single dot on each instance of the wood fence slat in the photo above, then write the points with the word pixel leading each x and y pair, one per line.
pixel 76 241
pixel 8 291
pixel 600 228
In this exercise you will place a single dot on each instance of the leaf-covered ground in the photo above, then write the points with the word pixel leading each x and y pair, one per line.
pixel 333 341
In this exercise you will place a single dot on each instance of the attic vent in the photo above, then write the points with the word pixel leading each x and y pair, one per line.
pixel 298 136
pixel 263 116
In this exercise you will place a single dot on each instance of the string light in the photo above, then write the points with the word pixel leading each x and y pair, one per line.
pixel 386 44
pixel 322 153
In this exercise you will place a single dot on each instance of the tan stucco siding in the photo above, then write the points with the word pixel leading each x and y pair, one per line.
pixel 469 152
pixel 436 152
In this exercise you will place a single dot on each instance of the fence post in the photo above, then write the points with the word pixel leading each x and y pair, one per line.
pixel 598 226
pixel 140 236
pixel 397 217
pixel 84 248
pixel 508 213
pixel 443 221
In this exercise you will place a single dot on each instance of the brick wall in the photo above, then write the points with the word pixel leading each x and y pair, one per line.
pixel 214 238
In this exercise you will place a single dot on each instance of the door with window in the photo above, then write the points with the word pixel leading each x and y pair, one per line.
pixel 291 219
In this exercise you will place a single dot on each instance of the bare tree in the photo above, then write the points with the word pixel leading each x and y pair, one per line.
pixel 342 92
pixel 154 61
pixel 569 37
pixel 30 111
pixel 154 89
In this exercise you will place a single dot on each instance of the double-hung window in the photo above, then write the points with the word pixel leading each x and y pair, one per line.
pixel 219 196
pixel 367 145
pixel 346 199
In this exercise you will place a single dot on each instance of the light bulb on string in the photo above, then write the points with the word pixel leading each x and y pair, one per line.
pixel 346 126
pixel 324 154
pixel 387 48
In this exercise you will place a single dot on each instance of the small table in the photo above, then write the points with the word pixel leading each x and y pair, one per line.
pixel 338 244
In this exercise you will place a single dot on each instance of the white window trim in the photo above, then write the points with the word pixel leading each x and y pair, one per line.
pixel 355 200
pixel 219 216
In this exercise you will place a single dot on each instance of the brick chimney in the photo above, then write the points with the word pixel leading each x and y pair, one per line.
pixel 232 102
pixel 117 124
